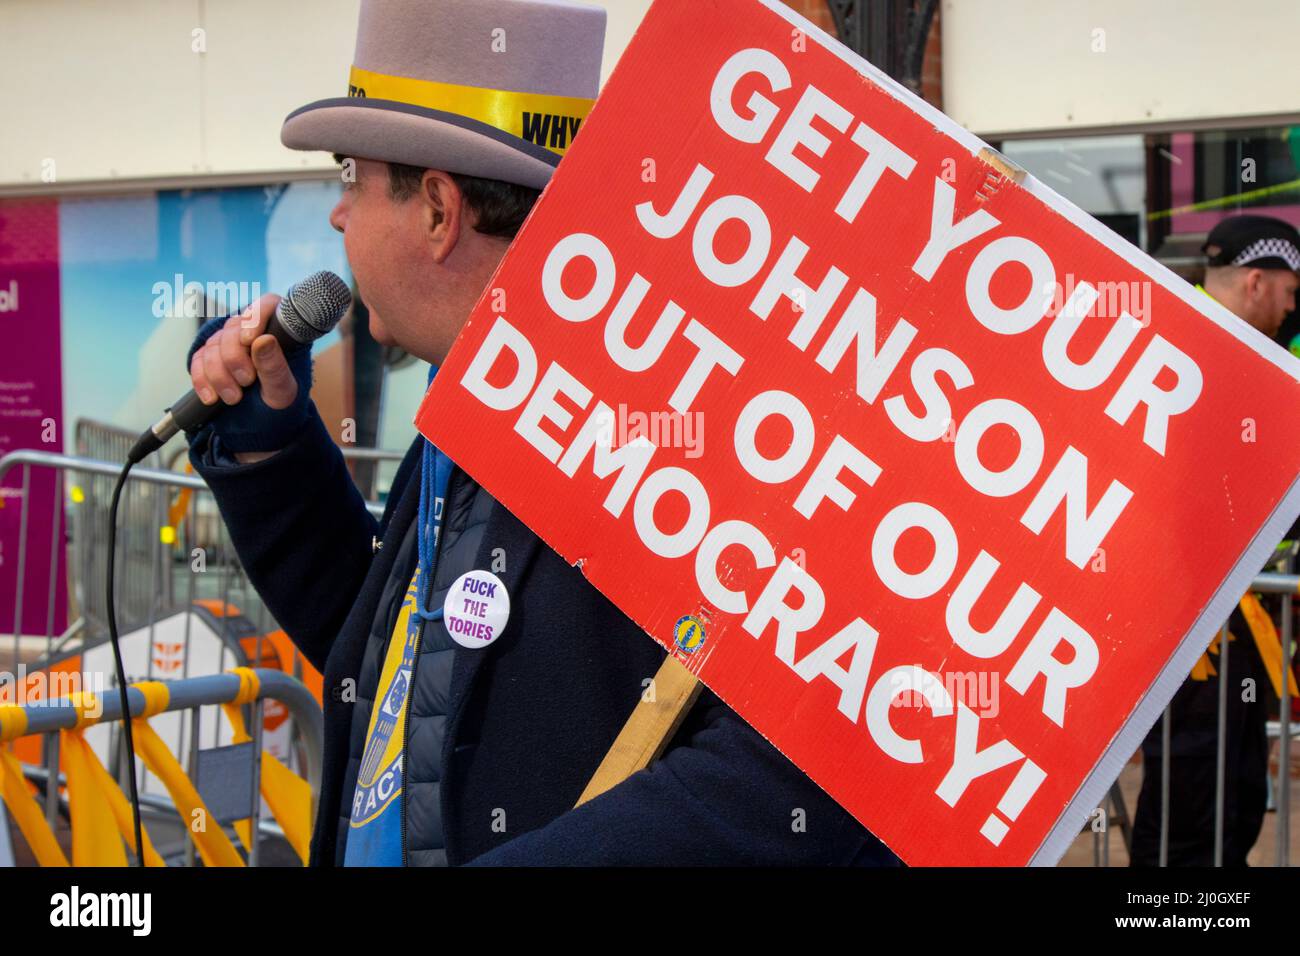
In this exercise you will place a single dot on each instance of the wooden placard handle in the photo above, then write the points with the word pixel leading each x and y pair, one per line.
pixel 649 728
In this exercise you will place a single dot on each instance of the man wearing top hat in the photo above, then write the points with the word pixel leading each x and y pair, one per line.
pixel 458 113
pixel 1251 266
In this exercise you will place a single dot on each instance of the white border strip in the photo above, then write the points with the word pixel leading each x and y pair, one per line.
pixel 1193 644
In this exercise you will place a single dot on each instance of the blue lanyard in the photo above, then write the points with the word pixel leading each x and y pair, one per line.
pixel 435 473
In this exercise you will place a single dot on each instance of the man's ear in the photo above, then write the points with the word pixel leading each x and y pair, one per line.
pixel 443 208
pixel 1254 283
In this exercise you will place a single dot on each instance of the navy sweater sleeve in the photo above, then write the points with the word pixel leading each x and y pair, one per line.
pixel 300 527
pixel 724 797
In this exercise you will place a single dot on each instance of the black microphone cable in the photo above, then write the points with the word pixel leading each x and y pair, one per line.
pixel 117 660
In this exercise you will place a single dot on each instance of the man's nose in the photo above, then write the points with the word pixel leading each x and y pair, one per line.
pixel 338 215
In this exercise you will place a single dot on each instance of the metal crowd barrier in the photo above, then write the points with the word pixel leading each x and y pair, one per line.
pixel 147 527
pixel 168 526
pixel 91 784
pixel 1287 585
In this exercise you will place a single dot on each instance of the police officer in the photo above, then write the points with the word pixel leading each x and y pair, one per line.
pixel 1251 266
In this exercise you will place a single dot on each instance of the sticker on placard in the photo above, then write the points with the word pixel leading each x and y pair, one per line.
pixel 688 633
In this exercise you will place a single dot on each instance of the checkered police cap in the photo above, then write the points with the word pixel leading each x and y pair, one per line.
pixel 1260 242
pixel 1269 249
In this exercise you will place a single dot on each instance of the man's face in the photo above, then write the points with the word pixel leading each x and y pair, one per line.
pixel 418 262
pixel 1273 299
pixel 386 247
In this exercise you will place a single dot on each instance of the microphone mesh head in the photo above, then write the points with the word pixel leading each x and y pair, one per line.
pixel 314 306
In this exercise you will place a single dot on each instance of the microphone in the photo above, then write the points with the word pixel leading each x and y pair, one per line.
pixel 310 309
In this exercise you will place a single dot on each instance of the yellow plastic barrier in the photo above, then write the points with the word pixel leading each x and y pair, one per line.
pixel 103 826
pixel 31 823
pixel 110 793
pixel 1266 640
pixel 211 841
pixel 288 795
pixel 95 803
pixel 1203 669
pixel 1269 644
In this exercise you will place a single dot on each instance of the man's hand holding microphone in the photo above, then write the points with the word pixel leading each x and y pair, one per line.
pixel 237 362
pixel 252 372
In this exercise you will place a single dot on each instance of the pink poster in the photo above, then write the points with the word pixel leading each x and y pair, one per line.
pixel 31 413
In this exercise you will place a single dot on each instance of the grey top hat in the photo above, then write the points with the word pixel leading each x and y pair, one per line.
pixel 490 88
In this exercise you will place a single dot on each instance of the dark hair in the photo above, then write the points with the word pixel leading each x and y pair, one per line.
pixel 500 208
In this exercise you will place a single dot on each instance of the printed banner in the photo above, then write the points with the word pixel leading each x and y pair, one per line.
pixel 31 412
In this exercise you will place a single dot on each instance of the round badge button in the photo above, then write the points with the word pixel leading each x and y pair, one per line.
pixel 476 609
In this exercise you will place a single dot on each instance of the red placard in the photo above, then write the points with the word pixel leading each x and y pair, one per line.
pixel 938 483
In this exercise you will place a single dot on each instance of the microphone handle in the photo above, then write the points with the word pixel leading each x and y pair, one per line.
pixel 189 413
